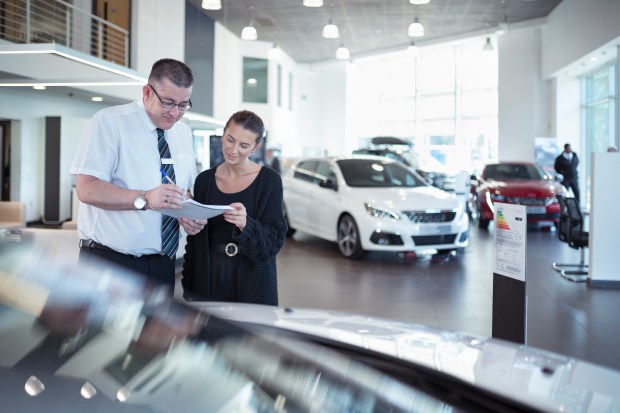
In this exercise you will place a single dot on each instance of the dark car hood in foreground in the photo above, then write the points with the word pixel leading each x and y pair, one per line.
pixel 532 188
pixel 89 340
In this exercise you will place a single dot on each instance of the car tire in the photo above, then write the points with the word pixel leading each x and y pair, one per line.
pixel 483 223
pixel 349 242
pixel 290 230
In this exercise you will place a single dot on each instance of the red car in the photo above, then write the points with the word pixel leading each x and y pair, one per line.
pixel 519 183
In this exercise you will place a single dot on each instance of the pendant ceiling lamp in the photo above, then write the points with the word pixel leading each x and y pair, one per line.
pixel 415 29
pixel 488 46
pixel 330 30
pixel 343 53
pixel 211 4
pixel 313 3
pixel 249 31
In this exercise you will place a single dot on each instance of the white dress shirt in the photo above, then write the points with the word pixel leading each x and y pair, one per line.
pixel 119 146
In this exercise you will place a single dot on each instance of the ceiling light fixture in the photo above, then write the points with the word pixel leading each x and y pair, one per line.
pixel 413 49
pixel 39 87
pixel 342 53
pixel 97 99
pixel 502 27
pixel 249 31
pixel 313 3
pixel 488 46
pixel 272 53
pixel 418 2
pixel 415 29
pixel 330 30
pixel 211 4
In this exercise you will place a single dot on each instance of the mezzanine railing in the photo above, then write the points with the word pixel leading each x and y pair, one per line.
pixel 56 21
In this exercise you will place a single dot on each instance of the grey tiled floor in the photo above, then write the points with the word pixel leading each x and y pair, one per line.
pixel 570 318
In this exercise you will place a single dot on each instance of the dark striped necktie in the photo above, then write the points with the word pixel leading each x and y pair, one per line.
pixel 169 225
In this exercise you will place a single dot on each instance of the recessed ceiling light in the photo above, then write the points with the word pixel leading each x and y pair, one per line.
pixel 96 99
pixel 39 87
pixel 594 59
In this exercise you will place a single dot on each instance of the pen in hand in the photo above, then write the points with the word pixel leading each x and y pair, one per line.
pixel 170 181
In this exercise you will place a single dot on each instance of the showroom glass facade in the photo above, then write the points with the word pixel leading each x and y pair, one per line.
pixel 444 99
pixel 599 100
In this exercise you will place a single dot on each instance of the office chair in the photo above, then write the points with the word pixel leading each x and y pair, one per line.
pixel 571 231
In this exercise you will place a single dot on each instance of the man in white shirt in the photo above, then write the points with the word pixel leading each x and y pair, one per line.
pixel 118 168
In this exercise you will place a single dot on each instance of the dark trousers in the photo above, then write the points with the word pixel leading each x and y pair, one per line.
pixel 157 268
pixel 572 184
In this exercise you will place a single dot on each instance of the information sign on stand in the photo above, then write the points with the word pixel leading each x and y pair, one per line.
pixel 509 273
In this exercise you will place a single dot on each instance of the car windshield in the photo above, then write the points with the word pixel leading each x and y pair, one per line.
pixel 514 171
pixel 371 173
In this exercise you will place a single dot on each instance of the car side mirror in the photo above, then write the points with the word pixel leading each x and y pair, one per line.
pixel 329 184
pixel 558 177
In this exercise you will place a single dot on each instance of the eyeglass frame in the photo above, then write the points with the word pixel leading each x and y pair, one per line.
pixel 172 104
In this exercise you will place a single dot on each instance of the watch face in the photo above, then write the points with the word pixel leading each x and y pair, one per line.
pixel 139 202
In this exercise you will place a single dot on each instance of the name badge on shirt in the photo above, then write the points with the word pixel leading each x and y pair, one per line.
pixel 167 161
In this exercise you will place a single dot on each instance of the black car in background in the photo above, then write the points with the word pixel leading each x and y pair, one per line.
pixel 403 151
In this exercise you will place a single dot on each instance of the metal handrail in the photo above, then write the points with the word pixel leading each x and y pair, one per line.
pixel 56 21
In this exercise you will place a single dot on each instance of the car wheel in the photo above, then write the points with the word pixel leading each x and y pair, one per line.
pixel 349 238
pixel 482 222
pixel 290 231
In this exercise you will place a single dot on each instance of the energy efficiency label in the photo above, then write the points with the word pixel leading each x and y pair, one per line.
pixel 510 237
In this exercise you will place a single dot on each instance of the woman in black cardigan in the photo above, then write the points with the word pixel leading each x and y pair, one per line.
pixel 234 257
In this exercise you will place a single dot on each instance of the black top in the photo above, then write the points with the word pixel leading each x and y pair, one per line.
pixel 567 168
pixel 222 231
pixel 259 242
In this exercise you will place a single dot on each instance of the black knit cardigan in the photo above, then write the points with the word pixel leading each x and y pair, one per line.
pixel 259 243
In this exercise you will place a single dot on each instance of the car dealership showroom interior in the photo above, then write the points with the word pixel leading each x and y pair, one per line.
pixel 447 172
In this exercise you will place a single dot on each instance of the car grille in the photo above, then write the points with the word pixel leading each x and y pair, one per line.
pixel 520 200
pixel 421 217
pixel 434 239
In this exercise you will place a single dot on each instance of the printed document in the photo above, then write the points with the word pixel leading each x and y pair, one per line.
pixel 195 210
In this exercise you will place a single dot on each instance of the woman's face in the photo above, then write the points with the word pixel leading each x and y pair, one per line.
pixel 237 144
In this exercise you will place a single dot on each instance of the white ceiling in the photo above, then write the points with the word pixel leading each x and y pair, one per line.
pixel 368 26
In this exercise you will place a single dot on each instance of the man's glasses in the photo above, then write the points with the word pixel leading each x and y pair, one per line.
pixel 170 105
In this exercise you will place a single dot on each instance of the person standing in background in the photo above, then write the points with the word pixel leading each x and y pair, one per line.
pixel 234 258
pixel 566 164
pixel 120 165
pixel 273 161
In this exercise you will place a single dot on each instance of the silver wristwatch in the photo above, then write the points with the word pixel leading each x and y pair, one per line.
pixel 140 201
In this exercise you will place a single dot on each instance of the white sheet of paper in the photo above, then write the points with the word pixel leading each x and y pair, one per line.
pixel 195 210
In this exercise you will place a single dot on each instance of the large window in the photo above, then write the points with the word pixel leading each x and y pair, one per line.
pixel 254 80
pixel 444 99
pixel 599 102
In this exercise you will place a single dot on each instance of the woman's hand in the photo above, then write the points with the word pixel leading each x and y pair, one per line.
pixel 192 226
pixel 237 216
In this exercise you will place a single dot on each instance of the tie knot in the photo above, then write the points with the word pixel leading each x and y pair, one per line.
pixel 160 133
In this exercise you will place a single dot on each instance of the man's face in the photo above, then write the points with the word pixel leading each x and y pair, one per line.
pixel 567 149
pixel 170 93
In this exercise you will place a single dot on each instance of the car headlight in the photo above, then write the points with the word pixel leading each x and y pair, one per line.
pixel 380 212
pixel 497 197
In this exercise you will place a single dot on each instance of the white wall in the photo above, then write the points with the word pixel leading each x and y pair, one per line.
pixel 604 225
pixel 157 32
pixel 575 28
pixel 524 97
pixel 27 109
pixel 228 86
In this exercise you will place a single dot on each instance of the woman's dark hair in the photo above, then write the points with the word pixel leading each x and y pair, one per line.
pixel 250 121
pixel 178 72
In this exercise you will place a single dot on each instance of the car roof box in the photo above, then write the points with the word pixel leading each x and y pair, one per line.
pixel 390 140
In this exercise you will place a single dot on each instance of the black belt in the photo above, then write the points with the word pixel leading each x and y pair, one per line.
pixel 89 243
pixel 231 249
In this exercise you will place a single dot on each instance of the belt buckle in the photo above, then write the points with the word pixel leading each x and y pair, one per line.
pixel 233 246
